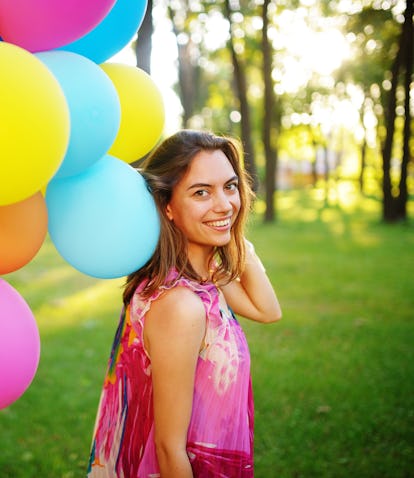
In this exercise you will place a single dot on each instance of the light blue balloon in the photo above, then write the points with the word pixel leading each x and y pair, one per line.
pixel 94 108
pixel 104 221
pixel 113 33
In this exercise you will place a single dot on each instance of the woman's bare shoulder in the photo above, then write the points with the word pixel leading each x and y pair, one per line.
pixel 179 302
pixel 178 313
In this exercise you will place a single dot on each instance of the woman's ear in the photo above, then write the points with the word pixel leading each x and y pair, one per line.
pixel 168 212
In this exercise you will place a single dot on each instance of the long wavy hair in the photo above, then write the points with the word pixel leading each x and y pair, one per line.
pixel 163 169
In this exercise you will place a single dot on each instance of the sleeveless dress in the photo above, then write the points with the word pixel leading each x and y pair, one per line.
pixel 220 434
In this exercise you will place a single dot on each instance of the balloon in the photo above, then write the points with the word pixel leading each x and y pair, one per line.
pixel 94 108
pixel 113 33
pixel 103 221
pixel 34 124
pixel 19 345
pixel 23 227
pixel 142 111
pixel 45 24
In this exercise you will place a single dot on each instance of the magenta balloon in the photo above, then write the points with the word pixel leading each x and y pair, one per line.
pixel 19 345
pixel 38 25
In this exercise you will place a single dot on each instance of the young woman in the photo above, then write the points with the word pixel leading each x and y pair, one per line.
pixel 177 400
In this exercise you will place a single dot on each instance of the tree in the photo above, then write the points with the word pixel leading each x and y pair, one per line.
pixel 268 119
pixel 383 70
pixel 408 42
pixel 241 92
pixel 181 17
pixel 190 22
pixel 143 45
pixel 394 203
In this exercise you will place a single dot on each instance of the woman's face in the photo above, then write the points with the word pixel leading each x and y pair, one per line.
pixel 205 202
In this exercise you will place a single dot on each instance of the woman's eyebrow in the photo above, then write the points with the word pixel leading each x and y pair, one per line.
pixel 199 185
pixel 207 185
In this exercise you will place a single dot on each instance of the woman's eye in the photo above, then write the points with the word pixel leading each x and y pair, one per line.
pixel 201 193
pixel 233 187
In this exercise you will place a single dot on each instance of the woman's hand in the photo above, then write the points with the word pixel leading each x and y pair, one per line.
pixel 252 295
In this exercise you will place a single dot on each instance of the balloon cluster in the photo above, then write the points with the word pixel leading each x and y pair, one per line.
pixel 69 125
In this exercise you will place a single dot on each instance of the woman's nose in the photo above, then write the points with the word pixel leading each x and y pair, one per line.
pixel 222 202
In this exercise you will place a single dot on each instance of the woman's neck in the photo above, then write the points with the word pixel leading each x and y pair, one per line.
pixel 200 259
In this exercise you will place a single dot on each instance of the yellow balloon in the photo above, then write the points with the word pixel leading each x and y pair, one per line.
pixel 142 111
pixel 34 124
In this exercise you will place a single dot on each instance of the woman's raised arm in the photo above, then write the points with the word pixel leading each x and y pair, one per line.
pixel 252 295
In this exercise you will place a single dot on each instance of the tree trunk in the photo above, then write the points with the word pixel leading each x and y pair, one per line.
pixel 187 71
pixel 187 80
pixel 326 173
pixel 388 206
pixel 270 153
pixel 241 87
pixel 363 164
pixel 364 145
pixel 408 64
pixel 143 45
pixel 314 173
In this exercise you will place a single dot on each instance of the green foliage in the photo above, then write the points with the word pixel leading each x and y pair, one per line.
pixel 333 380
pixel 375 43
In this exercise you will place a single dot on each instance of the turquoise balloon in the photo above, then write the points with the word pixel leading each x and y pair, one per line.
pixel 94 108
pixel 113 33
pixel 104 221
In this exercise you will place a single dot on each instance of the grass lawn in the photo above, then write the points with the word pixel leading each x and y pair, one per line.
pixel 333 381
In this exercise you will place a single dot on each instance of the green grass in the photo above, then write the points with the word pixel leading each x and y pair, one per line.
pixel 333 381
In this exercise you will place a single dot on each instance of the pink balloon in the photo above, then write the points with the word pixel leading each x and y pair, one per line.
pixel 38 25
pixel 19 345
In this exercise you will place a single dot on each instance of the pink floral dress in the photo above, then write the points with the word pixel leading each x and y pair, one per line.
pixel 220 434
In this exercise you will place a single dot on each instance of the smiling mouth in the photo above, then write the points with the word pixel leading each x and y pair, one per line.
pixel 221 223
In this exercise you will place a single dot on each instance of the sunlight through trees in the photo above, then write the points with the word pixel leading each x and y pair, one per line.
pixel 332 101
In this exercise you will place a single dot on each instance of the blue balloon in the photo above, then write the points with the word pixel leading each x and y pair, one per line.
pixel 94 107
pixel 113 33
pixel 104 221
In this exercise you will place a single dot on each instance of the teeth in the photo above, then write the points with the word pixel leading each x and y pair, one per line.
pixel 222 223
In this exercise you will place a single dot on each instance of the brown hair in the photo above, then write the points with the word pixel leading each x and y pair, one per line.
pixel 162 170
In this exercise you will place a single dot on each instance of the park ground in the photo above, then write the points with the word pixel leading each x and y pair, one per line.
pixel 333 381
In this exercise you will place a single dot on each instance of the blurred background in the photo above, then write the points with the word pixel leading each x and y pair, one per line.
pixel 321 95
pixel 316 90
